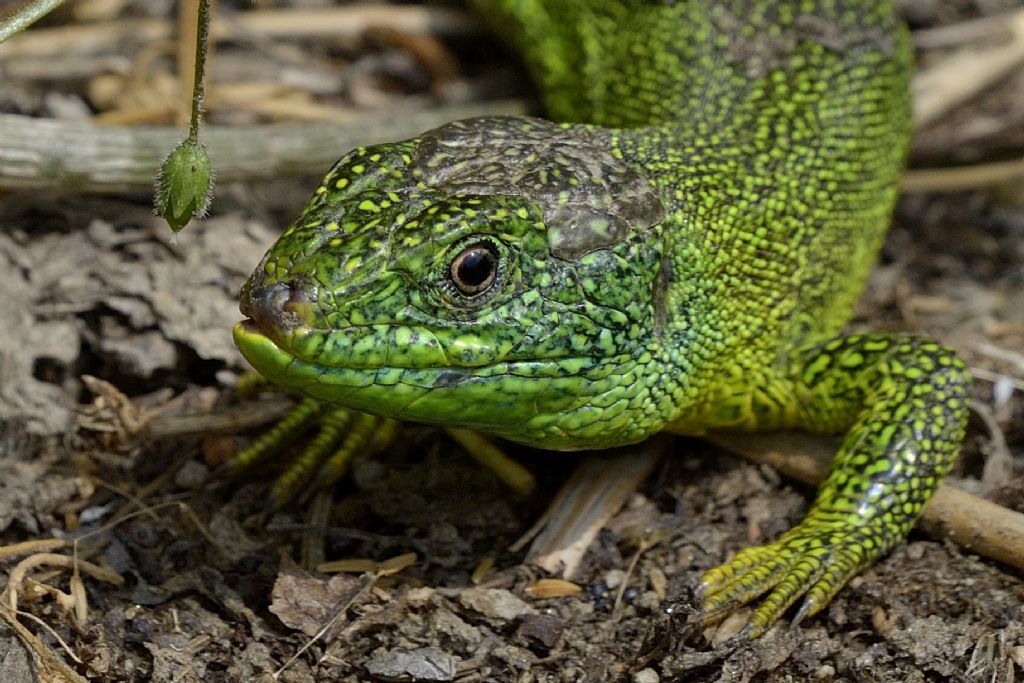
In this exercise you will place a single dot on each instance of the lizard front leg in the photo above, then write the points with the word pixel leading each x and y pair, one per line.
pixel 903 401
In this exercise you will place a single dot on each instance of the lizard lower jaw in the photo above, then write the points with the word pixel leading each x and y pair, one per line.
pixel 283 367
pixel 259 349
pixel 498 402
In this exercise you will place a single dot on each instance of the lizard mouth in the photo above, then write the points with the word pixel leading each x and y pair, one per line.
pixel 358 388
pixel 270 352
pixel 259 347
pixel 416 394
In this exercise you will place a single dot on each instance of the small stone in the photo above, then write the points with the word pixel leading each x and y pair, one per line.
pixel 646 676
pixel 516 657
pixel 303 601
pixel 649 600
pixel 420 597
pixel 191 475
pixel 494 603
pixel 825 672
pixel 730 626
pixel 614 578
pixel 424 664
pixel 544 629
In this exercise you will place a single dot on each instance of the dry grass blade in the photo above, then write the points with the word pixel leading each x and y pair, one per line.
pixel 597 490
pixel 34 546
pixel 485 452
pixel 546 589
pixel 994 27
pixel 998 469
pixel 21 569
pixel 958 78
pixel 230 420
pixel 51 667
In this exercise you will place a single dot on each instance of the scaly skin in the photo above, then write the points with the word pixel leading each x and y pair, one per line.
pixel 684 260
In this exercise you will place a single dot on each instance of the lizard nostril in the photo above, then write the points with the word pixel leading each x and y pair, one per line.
pixel 280 306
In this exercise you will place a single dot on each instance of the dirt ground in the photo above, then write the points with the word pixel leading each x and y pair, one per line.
pixel 161 571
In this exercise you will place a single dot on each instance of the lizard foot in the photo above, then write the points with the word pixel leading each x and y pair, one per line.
pixel 341 434
pixel 808 561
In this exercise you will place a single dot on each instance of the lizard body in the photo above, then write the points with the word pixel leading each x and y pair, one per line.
pixel 679 254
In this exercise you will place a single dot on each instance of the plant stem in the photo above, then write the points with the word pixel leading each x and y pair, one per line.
pixel 199 84
pixel 26 16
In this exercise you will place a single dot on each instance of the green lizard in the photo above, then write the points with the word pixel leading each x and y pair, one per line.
pixel 680 255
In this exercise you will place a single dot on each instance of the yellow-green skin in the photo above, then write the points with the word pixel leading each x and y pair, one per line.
pixel 682 259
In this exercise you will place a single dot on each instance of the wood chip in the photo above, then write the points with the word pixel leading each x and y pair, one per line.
pixel 553 588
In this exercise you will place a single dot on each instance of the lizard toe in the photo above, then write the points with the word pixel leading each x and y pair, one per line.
pixel 803 563
pixel 340 434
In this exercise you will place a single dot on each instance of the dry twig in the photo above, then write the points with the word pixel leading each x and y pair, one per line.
pixel 42 154
pixel 336 22
pixel 957 178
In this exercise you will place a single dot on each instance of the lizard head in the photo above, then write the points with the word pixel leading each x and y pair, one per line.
pixel 497 274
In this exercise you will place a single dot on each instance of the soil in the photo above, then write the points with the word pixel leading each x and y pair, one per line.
pixel 194 577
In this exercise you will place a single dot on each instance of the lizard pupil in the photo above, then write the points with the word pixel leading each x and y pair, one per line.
pixel 474 269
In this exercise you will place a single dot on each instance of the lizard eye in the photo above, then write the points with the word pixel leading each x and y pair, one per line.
pixel 474 269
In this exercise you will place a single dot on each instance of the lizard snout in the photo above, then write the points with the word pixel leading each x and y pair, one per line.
pixel 276 308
